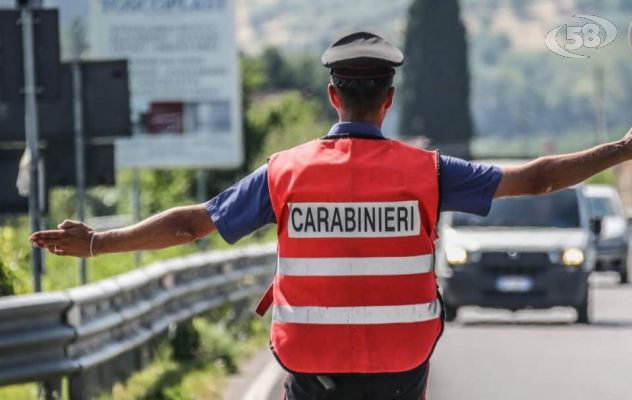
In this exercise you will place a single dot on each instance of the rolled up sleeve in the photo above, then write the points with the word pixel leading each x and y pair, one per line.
pixel 466 186
pixel 243 208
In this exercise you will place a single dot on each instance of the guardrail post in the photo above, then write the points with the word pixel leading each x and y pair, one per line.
pixel 51 389
pixel 90 382
pixel 186 341
pixel 77 389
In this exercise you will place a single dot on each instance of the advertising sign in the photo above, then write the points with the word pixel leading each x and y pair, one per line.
pixel 181 53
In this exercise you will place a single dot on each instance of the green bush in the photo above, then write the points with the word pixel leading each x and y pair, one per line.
pixel 14 258
pixel 289 119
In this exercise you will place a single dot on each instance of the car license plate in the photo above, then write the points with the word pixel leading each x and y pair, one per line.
pixel 514 284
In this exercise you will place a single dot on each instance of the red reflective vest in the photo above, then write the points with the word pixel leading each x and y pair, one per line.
pixel 355 290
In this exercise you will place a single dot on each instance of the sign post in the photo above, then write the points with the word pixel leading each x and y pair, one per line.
pixel 202 189
pixel 32 133
pixel 80 165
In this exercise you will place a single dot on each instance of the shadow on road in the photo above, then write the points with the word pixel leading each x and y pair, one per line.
pixel 607 280
pixel 626 324
pixel 489 323
pixel 609 324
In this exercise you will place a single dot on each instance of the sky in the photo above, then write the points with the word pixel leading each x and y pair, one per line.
pixel 69 8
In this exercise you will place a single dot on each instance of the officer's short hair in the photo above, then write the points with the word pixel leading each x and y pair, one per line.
pixel 362 96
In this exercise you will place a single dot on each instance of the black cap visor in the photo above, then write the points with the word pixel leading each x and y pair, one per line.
pixel 363 72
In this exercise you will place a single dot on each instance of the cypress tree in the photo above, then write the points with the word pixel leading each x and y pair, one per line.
pixel 435 90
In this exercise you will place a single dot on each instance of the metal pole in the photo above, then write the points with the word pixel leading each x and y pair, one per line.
pixel 36 182
pixel 201 195
pixel 80 167
pixel 599 102
pixel 42 202
pixel 32 133
pixel 138 256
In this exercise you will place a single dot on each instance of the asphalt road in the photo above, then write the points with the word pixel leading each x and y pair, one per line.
pixel 277 393
pixel 499 355
pixel 539 354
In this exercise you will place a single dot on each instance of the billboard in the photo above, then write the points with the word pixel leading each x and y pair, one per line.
pixel 182 53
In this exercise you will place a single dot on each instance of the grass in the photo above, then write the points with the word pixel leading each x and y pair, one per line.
pixel 27 391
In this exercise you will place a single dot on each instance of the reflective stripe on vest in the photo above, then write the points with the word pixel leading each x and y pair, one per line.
pixel 355 290
pixel 355 266
pixel 357 315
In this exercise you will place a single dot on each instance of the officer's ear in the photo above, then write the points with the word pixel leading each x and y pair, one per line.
pixel 389 98
pixel 333 97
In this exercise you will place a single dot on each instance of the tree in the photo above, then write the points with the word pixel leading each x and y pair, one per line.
pixel 435 91
pixel 278 72
pixel 289 119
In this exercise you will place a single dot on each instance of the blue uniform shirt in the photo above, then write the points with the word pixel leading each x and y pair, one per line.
pixel 245 207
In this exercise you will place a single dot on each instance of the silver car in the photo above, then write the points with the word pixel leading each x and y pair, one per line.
pixel 529 252
pixel 612 246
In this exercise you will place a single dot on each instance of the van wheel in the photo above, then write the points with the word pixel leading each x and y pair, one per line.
pixel 450 312
pixel 583 309
pixel 623 273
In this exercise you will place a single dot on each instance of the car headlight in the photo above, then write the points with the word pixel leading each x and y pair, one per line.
pixel 573 257
pixel 456 255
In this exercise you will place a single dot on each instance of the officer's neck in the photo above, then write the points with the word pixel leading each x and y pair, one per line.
pixel 376 120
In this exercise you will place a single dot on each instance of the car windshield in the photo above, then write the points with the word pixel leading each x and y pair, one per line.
pixel 556 210
pixel 602 207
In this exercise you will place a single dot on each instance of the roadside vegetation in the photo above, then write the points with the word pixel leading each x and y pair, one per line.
pixel 199 372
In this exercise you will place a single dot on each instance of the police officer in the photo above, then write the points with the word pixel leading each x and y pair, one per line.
pixel 356 313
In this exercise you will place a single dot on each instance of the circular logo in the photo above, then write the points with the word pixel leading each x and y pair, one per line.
pixel 594 35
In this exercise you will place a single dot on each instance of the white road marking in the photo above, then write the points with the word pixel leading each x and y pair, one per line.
pixel 266 382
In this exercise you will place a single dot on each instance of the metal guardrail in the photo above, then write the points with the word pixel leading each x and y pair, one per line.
pixel 44 337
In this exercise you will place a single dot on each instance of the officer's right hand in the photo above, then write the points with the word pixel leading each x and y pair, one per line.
pixel 627 142
pixel 72 238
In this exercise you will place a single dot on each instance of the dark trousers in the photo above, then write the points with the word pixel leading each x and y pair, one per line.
pixel 409 385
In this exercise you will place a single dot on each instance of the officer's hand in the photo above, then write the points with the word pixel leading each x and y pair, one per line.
pixel 627 142
pixel 72 238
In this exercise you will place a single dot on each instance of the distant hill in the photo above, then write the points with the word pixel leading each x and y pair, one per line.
pixel 293 24
pixel 519 87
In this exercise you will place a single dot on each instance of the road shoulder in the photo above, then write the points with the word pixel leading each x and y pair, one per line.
pixel 257 379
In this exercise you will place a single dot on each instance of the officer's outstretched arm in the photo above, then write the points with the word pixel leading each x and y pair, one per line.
pixel 551 173
pixel 172 227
